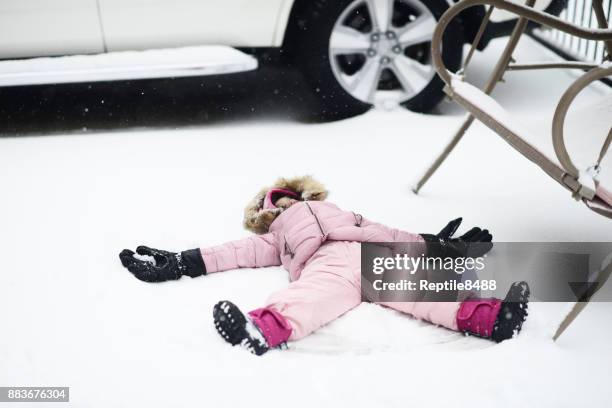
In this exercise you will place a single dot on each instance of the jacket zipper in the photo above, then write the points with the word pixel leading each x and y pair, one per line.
pixel 288 248
pixel 316 219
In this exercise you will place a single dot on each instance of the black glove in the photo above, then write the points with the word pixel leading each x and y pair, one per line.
pixel 167 265
pixel 474 243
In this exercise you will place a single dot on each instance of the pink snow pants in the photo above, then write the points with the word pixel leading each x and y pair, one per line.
pixel 330 285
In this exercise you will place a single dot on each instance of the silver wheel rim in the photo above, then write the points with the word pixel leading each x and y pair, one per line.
pixel 379 50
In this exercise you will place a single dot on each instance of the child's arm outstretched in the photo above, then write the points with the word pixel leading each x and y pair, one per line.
pixel 474 243
pixel 256 251
pixel 154 265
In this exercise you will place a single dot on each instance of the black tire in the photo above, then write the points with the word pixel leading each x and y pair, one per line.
pixel 307 42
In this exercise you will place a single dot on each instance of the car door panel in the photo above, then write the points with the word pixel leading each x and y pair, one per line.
pixel 141 24
pixel 31 28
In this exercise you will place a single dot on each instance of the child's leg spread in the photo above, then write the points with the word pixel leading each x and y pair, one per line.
pixel 489 318
pixel 327 288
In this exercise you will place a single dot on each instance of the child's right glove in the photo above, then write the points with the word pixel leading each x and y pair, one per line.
pixel 474 243
pixel 162 265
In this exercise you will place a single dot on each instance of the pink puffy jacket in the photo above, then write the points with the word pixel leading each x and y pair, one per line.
pixel 296 234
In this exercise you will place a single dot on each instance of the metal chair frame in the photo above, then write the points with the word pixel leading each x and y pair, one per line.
pixel 566 174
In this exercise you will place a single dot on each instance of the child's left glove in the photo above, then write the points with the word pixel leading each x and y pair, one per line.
pixel 474 243
pixel 162 265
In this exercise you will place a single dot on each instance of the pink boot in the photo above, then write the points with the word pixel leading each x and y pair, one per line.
pixel 272 325
pixel 261 330
pixel 494 319
pixel 477 316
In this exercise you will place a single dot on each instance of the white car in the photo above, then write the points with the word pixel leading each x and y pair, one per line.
pixel 353 53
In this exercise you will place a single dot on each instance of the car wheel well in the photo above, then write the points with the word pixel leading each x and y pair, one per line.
pixel 297 21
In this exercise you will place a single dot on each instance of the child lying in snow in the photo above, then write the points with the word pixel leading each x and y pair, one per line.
pixel 319 244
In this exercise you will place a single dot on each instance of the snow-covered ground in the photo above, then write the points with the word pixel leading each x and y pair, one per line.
pixel 72 316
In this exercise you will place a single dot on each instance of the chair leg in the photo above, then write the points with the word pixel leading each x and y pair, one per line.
pixel 445 153
pixel 496 76
pixel 579 306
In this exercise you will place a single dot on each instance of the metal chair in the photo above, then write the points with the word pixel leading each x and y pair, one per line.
pixel 582 183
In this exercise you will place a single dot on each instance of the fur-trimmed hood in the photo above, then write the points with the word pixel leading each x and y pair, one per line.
pixel 258 220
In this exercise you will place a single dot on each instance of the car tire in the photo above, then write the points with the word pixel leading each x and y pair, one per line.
pixel 308 42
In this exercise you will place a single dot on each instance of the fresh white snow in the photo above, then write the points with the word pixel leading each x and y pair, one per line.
pixel 73 316
pixel 146 258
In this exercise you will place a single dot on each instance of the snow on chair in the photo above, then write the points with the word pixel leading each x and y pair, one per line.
pixel 582 183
